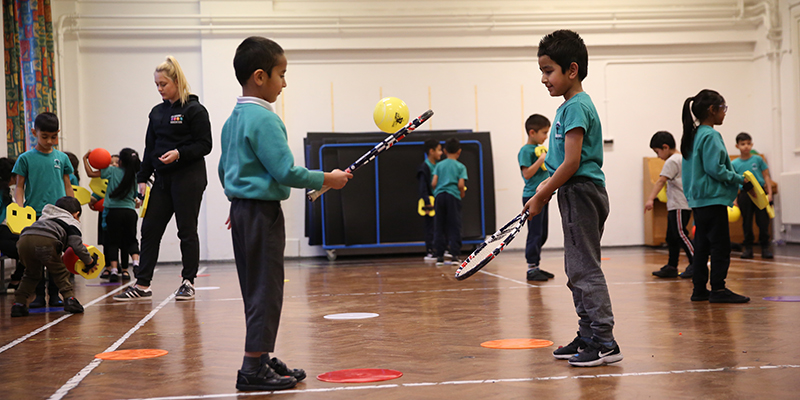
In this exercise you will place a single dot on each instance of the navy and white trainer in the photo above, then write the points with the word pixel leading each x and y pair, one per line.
pixel 595 355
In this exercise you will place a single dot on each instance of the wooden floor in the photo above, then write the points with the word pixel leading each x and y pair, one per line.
pixel 430 327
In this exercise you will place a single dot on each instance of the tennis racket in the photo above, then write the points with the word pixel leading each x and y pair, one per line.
pixel 491 247
pixel 378 149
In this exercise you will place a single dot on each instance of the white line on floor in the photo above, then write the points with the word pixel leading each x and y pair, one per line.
pixel 57 321
pixel 75 380
pixel 470 382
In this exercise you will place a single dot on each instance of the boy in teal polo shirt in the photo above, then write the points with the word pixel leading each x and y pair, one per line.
pixel 755 164
pixel 42 178
pixel 433 152
pixel 531 164
pixel 257 169
pixel 448 182
pixel 574 163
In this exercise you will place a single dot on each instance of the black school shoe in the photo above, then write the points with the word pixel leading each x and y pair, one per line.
pixel 570 350
pixel 19 310
pixel 38 302
pixel 264 379
pixel 595 355
pixel 667 271
pixel 688 272
pixel 700 294
pixel 535 274
pixel 71 305
pixel 726 296
pixel 281 369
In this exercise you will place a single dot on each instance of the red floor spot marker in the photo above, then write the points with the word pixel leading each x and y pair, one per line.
pixel 359 375
pixel 135 354
pixel 203 275
pixel 517 344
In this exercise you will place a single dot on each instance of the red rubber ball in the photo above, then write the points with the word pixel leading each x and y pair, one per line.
pixel 100 158
pixel 69 259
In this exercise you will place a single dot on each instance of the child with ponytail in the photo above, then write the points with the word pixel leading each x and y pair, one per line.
pixel 119 212
pixel 711 185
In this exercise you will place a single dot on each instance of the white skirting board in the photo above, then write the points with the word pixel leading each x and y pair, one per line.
pixel 790 198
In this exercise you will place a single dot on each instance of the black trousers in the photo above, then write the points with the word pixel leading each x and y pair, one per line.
pixel 259 238
pixel 537 234
pixel 429 226
pixel 678 236
pixel 447 224
pixel 749 210
pixel 121 235
pixel 712 237
pixel 179 193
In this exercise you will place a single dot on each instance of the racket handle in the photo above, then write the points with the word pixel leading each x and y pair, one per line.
pixel 313 195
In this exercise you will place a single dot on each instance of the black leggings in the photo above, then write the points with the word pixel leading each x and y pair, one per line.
pixel 713 238
pixel 178 193
pixel 120 235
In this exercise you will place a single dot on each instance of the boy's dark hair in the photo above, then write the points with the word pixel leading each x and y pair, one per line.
pixel 6 166
pixel 46 122
pixel 743 136
pixel 255 53
pixel 565 47
pixel 71 204
pixel 697 105
pixel 662 138
pixel 536 122
pixel 430 144
pixel 452 145
pixel 73 159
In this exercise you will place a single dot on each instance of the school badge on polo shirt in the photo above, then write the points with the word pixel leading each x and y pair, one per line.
pixel 176 119
pixel 57 164
pixel 559 134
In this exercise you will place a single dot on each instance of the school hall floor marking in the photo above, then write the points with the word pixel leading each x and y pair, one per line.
pixel 57 321
pixel 472 382
pixel 527 286
pixel 75 380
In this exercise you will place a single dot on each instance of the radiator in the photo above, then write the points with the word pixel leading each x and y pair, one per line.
pixel 790 198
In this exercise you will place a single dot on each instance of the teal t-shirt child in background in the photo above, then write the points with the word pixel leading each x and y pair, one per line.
pixel 526 158
pixel 114 176
pixel 754 164
pixel 449 172
pixel 44 177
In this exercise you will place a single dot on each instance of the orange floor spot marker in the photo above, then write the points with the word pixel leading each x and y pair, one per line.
pixel 604 259
pixel 135 354
pixel 359 375
pixel 517 344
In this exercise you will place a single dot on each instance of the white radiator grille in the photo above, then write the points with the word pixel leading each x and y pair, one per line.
pixel 790 198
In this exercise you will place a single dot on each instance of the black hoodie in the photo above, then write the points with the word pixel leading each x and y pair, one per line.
pixel 178 125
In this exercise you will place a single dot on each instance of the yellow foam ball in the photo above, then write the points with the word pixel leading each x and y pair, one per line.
pixel 734 213
pixel 390 114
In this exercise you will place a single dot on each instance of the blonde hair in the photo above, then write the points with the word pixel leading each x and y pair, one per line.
pixel 172 70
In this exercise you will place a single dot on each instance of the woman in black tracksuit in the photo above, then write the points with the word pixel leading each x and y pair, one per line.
pixel 178 139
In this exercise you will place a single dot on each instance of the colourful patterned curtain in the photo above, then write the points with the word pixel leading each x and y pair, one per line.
pixel 29 68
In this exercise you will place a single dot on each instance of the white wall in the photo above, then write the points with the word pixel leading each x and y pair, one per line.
pixel 484 79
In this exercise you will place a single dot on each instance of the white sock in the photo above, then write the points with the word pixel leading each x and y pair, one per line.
pixel 114 271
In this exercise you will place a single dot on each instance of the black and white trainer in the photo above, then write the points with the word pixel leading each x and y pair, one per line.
pixel 566 352
pixel 596 354
pixel 134 293
pixel 186 291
